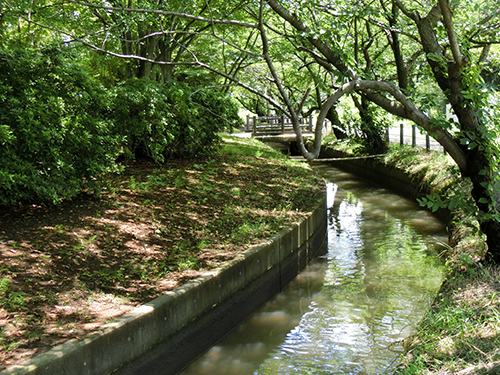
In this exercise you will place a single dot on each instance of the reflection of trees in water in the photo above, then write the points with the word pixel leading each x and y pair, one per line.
pixel 344 317
pixel 396 276
pixel 376 286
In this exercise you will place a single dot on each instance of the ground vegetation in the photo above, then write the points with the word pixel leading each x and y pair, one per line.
pixel 66 270
pixel 461 332
pixel 395 57
pixel 91 88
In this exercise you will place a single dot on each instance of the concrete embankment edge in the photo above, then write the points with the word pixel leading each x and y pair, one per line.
pixel 179 325
pixel 373 170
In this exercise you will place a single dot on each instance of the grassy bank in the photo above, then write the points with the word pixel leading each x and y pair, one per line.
pixel 460 334
pixel 67 270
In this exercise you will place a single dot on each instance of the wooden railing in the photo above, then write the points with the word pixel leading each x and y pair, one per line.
pixel 274 125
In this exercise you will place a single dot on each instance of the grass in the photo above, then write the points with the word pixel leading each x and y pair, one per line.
pixel 422 166
pixel 461 332
pixel 437 175
pixel 67 270
pixel 347 145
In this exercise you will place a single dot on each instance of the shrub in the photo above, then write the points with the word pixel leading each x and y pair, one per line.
pixel 55 139
pixel 169 120
pixel 142 115
pixel 216 112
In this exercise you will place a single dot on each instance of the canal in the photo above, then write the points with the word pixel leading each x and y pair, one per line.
pixel 351 309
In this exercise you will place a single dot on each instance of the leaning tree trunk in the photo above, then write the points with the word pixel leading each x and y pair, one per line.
pixel 449 74
pixel 338 130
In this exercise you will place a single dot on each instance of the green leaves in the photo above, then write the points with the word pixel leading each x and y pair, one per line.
pixel 6 135
pixel 432 202
pixel 55 132
pixel 163 121
pixel 452 202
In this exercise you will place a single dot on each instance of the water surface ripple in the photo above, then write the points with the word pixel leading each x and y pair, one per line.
pixel 350 309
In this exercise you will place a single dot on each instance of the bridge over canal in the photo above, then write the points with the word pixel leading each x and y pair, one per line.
pixel 278 131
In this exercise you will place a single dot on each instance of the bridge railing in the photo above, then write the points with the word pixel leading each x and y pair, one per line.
pixel 409 135
pixel 273 125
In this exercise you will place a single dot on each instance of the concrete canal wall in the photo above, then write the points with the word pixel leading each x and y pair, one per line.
pixel 373 170
pixel 162 336
pixel 168 332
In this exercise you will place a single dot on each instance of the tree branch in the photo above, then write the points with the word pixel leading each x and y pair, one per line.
pixel 452 37
pixel 484 53
pixel 413 113
pixel 412 15
pixel 323 47
pixel 164 13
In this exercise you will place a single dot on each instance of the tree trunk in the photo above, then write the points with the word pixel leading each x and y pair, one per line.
pixel 337 128
pixel 371 138
pixel 474 163
pixel 396 49
pixel 481 175
pixel 449 76
pixel 491 229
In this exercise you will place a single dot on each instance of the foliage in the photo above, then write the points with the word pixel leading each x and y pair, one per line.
pixel 169 120
pixel 461 331
pixel 54 131
pixel 368 129
pixel 10 299
pixel 201 115
pixel 141 112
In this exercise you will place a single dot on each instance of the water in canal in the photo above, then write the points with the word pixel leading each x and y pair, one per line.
pixel 350 309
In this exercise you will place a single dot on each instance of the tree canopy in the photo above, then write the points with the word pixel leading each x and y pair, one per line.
pixel 435 64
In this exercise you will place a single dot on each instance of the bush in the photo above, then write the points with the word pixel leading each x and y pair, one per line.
pixel 216 112
pixel 169 120
pixel 141 113
pixel 55 138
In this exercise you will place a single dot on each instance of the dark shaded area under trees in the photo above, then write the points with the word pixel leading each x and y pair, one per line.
pixel 388 56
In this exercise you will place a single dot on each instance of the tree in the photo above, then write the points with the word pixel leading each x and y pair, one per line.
pixel 381 53
pixel 55 131
pixel 60 130
pixel 170 120
pixel 455 68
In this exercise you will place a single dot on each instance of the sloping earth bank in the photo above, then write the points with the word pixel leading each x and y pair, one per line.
pixel 66 270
